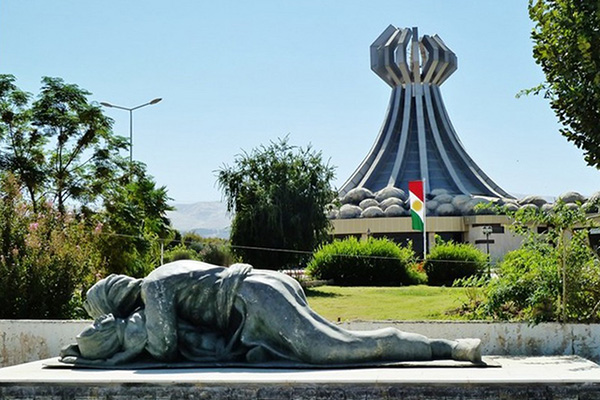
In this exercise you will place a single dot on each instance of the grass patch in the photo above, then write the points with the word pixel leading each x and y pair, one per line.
pixel 380 303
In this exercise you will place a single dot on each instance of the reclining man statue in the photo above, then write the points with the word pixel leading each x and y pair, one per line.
pixel 189 310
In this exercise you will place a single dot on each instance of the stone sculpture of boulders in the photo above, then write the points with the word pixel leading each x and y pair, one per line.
pixel 595 198
pixel 366 203
pixel 390 191
pixel 372 212
pixel 348 211
pixel 356 195
pixel 470 208
pixel 391 201
pixel 437 192
pixel 538 201
pixel 331 211
pixel 572 197
pixel 460 200
pixel 332 214
pixel 443 198
pixel 446 210
pixel 396 211
pixel 431 205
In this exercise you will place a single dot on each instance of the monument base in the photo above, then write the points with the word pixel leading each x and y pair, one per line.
pixel 564 377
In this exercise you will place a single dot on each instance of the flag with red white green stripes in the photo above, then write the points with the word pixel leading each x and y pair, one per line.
pixel 417 204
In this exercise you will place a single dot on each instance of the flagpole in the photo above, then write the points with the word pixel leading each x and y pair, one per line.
pixel 424 220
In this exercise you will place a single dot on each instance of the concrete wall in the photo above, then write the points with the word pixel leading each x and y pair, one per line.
pixel 26 340
pixel 500 338
pixel 30 340
pixel 503 242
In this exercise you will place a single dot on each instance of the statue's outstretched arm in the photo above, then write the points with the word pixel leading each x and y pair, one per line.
pixel 71 355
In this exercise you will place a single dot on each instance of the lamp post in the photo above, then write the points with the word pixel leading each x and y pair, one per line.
pixel 487 231
pixel 131 110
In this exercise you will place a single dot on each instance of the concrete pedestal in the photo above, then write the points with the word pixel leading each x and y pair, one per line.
pixel 517 378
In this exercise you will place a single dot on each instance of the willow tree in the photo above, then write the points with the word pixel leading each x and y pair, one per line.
pixel 278 194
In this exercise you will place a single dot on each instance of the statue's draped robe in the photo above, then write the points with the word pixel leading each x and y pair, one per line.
pixel 238 310
pixel 202 312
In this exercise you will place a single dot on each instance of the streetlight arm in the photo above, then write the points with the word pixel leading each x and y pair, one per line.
pixel 114 106
pixel 131 109
pixel 151 102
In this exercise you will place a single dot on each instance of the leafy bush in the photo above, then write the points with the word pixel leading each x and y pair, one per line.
pixel 554 276
pixel 450 261
pixel 217 252
pixel 47 259
pixel 527 286
pixel 192 246
pixel 374 262
pixel 180 252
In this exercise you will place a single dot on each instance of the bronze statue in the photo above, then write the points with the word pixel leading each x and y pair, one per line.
pixel 189 310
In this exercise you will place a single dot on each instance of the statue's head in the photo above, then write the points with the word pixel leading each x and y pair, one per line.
pixel 116 294
pixel 102 339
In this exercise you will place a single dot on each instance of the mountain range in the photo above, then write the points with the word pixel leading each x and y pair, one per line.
pixel 206 218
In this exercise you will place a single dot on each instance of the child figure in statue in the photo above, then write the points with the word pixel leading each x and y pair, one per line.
pixel 188 310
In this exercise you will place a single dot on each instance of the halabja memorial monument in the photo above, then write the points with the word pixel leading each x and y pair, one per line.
pixel 418 142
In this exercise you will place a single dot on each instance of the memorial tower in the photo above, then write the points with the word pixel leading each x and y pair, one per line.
pixel 417 139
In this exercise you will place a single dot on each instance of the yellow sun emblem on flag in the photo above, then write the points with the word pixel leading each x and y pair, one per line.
pixel 417 205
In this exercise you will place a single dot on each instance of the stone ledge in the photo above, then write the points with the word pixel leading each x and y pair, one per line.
pixel 518 378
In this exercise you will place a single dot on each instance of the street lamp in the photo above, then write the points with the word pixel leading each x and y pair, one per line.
pixel 131 110
pixel 487 231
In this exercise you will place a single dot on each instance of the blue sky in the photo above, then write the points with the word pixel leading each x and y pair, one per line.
pixel 236 74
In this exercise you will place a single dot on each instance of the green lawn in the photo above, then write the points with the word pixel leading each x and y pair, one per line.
pixel 379 303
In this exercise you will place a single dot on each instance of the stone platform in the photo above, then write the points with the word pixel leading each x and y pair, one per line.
pixel 564 377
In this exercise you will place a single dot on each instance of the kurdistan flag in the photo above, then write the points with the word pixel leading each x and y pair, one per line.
pixel 417 204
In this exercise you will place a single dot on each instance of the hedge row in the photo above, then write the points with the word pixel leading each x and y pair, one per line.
pixel 381 262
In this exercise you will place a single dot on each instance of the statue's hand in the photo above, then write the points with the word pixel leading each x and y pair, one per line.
pixel 71 350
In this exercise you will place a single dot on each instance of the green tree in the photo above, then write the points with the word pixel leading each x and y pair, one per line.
pixel 133 223
pixel 84 152
pixel 60 146
pixel 62 150
pixel 278 193
pixel 567 46
pixel 23 146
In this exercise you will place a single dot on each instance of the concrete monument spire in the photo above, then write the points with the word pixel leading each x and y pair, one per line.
pixel 417 139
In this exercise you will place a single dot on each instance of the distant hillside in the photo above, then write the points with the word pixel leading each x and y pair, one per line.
pixel 206 218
